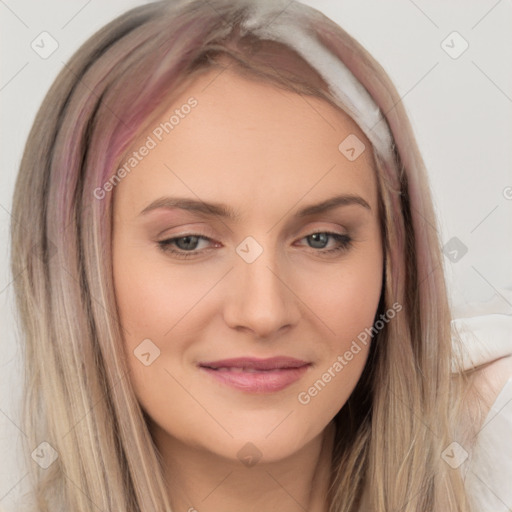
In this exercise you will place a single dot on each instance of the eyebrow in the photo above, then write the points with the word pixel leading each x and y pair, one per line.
pixel 224 211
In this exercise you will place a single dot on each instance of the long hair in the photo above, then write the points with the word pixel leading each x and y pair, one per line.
pixel 407 406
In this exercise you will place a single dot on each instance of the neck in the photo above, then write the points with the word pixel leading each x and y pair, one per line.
pixel 206 482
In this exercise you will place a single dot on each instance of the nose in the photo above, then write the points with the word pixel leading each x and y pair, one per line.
pixel 260 300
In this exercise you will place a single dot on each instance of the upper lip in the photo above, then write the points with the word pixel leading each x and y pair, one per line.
pixel 271 363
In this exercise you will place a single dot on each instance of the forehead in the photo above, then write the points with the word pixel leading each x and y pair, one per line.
pixel 244 137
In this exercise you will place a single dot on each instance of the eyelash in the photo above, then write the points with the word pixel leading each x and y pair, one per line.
pixel 344 240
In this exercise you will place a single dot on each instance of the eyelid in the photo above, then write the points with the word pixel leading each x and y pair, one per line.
pixel 188 230
pixel 207 231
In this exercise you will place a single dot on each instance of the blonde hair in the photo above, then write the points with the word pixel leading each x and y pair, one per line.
pixel 406 408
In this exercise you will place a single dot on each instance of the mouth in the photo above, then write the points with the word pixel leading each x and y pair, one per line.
pixel 256 375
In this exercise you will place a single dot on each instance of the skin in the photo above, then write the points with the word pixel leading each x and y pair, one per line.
pixel 266 153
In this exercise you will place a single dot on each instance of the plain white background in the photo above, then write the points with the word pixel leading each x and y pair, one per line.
pixel 460 109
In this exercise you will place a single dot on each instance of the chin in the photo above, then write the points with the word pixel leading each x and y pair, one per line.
pixel 255 445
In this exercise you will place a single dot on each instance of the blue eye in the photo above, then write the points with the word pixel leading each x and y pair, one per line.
pixel 187 244
pixel 344 241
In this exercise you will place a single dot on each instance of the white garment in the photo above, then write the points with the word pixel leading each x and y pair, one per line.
pixel 486 332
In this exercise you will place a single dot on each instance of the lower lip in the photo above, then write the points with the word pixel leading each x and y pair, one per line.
pixel 258 382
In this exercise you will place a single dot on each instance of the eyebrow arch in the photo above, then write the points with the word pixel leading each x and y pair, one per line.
pixel 222 210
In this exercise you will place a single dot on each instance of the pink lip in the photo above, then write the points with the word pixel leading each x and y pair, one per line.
pixel 260 375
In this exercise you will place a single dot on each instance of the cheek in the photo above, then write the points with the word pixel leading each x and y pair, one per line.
pixel 151 298
pixel 345 306
pixel 158 306
pixel 356 298
pixel 346 299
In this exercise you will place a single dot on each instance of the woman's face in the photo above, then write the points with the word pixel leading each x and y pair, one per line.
pixel 257 285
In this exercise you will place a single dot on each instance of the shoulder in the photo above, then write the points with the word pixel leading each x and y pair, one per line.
pixel 492 377
pixel 489 465
pixel 482 342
